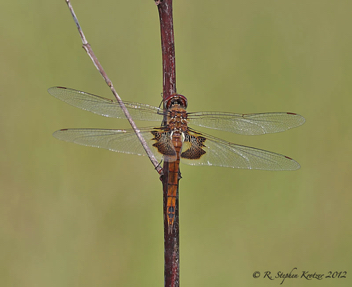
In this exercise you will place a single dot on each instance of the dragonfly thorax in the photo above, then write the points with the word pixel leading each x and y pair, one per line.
pixel 177 120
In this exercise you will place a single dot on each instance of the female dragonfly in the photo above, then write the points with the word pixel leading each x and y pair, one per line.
pixel 176 140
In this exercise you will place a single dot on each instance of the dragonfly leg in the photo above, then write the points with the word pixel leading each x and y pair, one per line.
pixel 179 175
pixel 161 171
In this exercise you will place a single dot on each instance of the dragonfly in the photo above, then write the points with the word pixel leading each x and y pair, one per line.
pixel 175 141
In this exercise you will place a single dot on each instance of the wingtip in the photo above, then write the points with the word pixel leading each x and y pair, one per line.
pixel 295 164
pixel 302 119
pixel 56 133
pixel 56 87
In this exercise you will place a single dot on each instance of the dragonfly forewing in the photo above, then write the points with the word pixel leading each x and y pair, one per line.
pixel 247 124
pixel 105 107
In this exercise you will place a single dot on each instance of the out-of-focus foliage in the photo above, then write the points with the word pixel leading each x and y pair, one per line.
pixel 78 216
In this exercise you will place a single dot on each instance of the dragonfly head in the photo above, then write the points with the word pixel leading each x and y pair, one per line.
pixel 175 99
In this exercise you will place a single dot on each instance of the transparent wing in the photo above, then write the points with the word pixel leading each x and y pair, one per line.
pixel 105 107
pixel 124 141
pixel 247 124
pixel 213 151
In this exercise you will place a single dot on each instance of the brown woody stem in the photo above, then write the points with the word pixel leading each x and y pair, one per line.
pixel 171 239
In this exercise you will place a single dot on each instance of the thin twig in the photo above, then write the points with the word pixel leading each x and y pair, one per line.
pixel 90 53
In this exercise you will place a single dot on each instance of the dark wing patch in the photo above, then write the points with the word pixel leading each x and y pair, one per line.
pixel 163 143
pixel 193 146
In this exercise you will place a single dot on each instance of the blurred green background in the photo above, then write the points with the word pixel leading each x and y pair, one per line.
pixel 79 216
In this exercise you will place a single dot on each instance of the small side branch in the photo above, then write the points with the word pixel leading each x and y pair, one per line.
pixel 91 54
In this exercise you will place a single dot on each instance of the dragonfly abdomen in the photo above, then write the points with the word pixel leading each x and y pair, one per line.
pixel 173 177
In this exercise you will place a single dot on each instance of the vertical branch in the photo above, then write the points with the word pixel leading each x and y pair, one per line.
pixel 171 239
pixel 168 47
